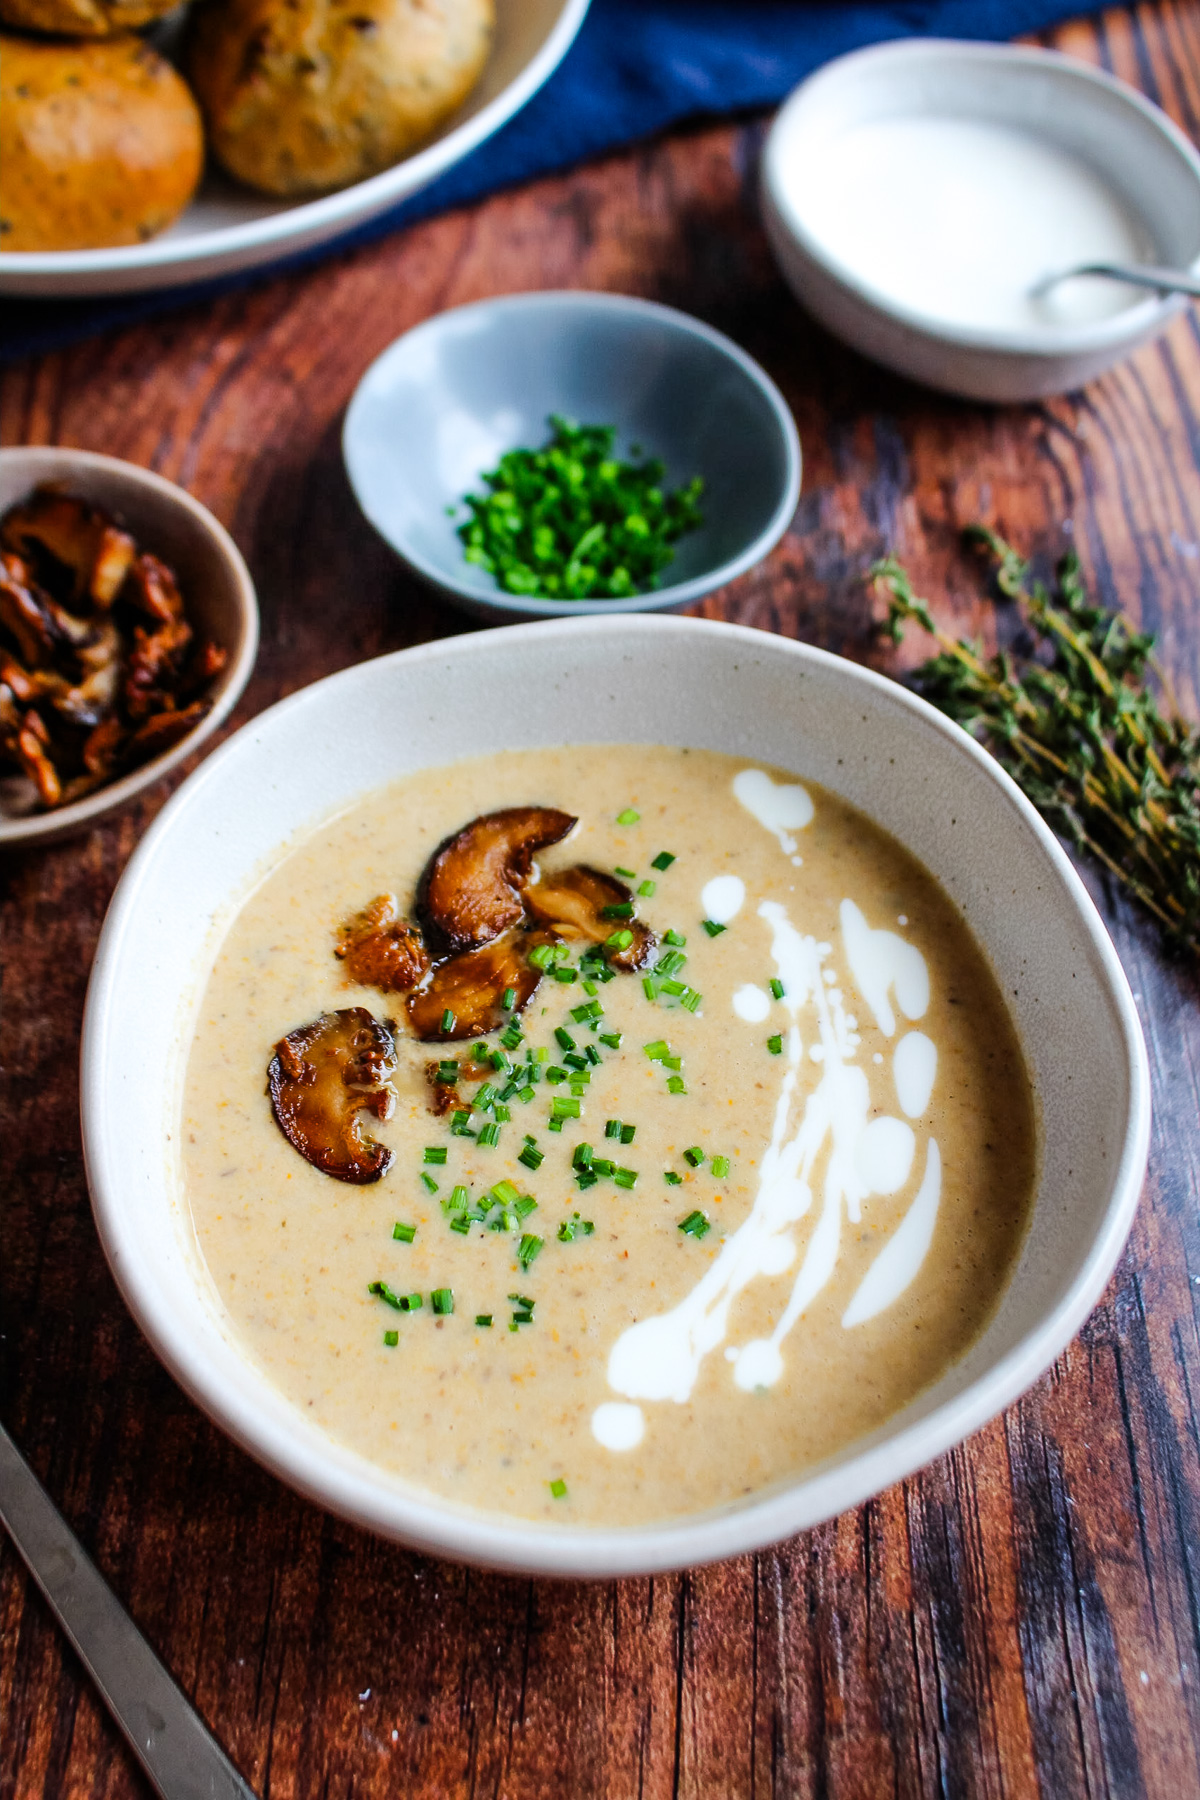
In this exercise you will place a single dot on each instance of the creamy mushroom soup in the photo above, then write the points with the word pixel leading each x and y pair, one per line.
pixel 740 1160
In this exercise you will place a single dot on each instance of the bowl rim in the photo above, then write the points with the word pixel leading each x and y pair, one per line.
pixel 1113 333
pixel 34 828
pixel 432 1525
pixel 633 307
pixel 316 218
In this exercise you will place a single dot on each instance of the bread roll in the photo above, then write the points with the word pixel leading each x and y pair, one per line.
pixel 82 18
pixel 100 143
pixel 301 96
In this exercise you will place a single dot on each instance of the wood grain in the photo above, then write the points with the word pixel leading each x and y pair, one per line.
pixel 1023 1617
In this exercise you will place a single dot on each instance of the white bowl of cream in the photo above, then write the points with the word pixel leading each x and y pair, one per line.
pixel 643 681
pixel 916 195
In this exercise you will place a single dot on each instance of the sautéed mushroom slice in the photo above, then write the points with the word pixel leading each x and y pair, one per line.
pixel 470 890
pixel 465 997
pixel 583 902
pixel 380 949
pixel 321 1078
pixel 78 541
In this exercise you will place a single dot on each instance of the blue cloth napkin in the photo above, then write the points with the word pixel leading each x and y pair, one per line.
pixel 636 67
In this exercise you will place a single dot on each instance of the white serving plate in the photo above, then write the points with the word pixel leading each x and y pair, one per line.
pixel 632 678
pixel 228 228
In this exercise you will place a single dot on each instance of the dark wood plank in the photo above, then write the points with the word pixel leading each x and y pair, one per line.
pixel 1021 1618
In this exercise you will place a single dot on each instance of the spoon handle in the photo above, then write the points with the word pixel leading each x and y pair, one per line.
pixel 1177 281
pixel 168 1738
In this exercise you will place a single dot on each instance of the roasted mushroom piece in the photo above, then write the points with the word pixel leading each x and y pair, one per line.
pixel 470 890
pixel 583 902
pixel 95 551
pixel 471 989
pixel 380 949
pixel 321 1077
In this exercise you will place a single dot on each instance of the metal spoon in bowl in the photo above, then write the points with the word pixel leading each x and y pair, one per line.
pixel 1167 281
pixel 168 1738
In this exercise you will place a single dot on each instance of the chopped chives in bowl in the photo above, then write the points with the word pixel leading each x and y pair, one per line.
pixel 572 522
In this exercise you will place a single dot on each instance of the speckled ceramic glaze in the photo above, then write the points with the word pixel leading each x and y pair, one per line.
pixel 631 680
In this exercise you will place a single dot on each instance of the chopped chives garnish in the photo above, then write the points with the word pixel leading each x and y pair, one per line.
pixel 589 987
pixel 429 1184
pixel 582 1157
pixel 776 987
pixel 676 1085
pixel 695 1156
pixel 628 817
pixel 720 1167
pixel 671 1178
pixel 586 1178
pixel 447 1073
pixel 563 1038
pixel 649 988
pixel 566 1232
pixel 695 1225
pixel 656 1051
pixel 670 964
pixel 442 1300
pixel 501 1113
pixel 542 955
pixel 625 1178
pixel 612 1039
pixel 459 1198
pixel 512 1035
pixel 555 1074
pixel 484 1097
pixel 383 1292
pixel 525 1094
pixel 674 988
pixel 509 1000
pixel 484 1319
pixel 602 1166
pixel 532 1157
pixel 563 1108
pixel 620 909
pixel 712 928
pixel 563 974
pixel 612 1128
pixel 436 1153
pixel 540 1055
pixel 775 1045
pixel 448 1020
pixel 528 1249
pixel 504 1193
pixel 524 1206
pixel 647 889
pixel 628 1133
pixel 673 1062
pixel 462 1224
pixel 674 937
pixel 629 874
pixel 592 1054
pixel 404 1234
pixel 391 1339
pixel 489 1136
pixel 554 1124
pixel 574 1061
pixel 620 940
pixel 501 1062
pixel 690 999
pixel 663 860
pixel 559 1489
pixel 460 1126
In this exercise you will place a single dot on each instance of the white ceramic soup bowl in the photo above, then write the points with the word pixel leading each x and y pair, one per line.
pixel 639 679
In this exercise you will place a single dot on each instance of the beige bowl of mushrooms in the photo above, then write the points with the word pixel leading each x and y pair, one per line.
pixel 128 629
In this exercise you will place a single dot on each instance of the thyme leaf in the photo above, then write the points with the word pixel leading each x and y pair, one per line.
pixel 1081 715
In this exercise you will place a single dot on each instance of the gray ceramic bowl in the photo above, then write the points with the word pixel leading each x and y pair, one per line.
pixel 216 585
pixel 448 398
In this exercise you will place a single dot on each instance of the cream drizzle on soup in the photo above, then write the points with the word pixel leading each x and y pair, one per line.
pixel 823 1193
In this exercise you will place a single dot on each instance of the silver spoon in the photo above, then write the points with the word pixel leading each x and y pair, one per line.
pixel 168 1738
pixel 1167 281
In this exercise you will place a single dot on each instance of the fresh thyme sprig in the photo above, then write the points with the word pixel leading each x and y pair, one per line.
pixel 1073 717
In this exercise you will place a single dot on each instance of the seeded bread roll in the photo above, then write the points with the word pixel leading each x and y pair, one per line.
pixel 82 18
pixel 301 96
pixel 100 143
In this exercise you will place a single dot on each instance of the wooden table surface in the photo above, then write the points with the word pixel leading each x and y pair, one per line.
pixel 1021 1618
